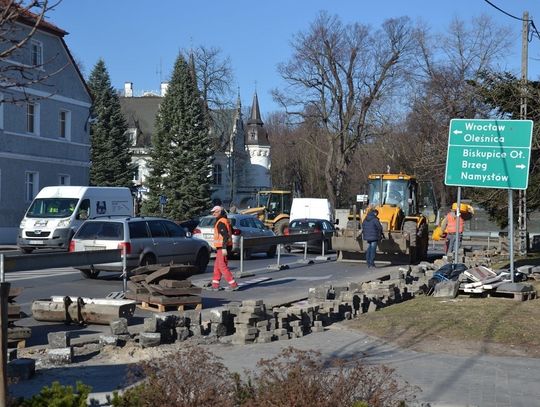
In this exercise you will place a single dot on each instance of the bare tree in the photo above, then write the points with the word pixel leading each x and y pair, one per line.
pixel 449 66
pixel 335 78
pixel 19 22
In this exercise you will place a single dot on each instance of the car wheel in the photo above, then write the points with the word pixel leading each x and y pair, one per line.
pixel 26 250
pixel 148 260
pixel 91 274
pixel 201 262
pixel 247 254
pixel 271 252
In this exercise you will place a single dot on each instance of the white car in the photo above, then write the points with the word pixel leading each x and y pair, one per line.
pixel 246 226
pixel 147 240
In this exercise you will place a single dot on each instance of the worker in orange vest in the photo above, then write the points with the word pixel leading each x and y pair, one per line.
pixel 449 225
pixel 223 245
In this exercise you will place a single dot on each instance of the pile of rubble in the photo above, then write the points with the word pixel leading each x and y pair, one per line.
pixel 17 335
pixel 158 288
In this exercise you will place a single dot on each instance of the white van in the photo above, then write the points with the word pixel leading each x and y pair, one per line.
pixel 56 213
pixel 311 208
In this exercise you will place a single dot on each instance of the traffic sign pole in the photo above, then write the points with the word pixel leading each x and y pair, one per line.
pixel 511 231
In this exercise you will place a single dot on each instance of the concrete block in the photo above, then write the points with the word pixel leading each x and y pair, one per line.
pixel 108 340
pixel 149 339
pixel 245 329
pixel 217 315
pixel 21 369
pixel 59 340
pixel 192 317
pixel 372 307
pixel 182 333
pixel 60 356
pixel 119 326
pixel 166 320
pixel 446 289
pixel 252 303
pixel 150 325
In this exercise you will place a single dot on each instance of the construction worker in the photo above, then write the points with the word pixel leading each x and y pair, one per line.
pixel 372 232
pixel 449 226
pixel 223 245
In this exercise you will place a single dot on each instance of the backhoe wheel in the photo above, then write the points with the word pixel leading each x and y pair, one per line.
pixel 279 227
pixel 410 229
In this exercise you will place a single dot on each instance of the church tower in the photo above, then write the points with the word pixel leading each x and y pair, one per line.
pixel 258 147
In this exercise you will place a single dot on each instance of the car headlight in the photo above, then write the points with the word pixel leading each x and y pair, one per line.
pixel 63 223
pixel 23 223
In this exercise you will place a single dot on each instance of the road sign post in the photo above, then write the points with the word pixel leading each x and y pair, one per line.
pixel 490 154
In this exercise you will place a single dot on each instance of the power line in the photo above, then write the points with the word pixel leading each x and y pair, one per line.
pixel 504 12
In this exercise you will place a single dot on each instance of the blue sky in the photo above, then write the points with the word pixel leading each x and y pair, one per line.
pixel 139 38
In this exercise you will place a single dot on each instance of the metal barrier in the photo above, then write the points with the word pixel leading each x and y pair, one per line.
pixel 246 243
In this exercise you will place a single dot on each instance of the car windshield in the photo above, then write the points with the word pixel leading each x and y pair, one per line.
pixel 305 224
pixel 101 231
pixel 210 221
pixel 52 208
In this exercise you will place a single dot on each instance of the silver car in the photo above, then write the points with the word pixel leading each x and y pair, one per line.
pixel 148 240
pixel 246 226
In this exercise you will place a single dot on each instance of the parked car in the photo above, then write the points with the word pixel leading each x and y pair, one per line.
pixel 148 240
pixel 299 226
pixel 242 225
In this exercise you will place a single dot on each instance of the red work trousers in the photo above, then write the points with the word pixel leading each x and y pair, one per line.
pixel 221 267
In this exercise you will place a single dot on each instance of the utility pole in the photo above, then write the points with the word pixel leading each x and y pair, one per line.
pixel 522 204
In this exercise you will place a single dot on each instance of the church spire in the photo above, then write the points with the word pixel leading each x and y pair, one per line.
pixel 255 117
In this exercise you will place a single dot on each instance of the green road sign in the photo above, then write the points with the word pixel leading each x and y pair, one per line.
pixel 489 153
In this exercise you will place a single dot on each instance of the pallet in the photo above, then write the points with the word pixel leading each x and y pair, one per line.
pixel 516 296
pixel 169 307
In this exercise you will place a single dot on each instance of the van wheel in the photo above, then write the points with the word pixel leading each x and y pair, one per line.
pixel 148 260
pixel 91 274
pixel 26 250
pixel 201 262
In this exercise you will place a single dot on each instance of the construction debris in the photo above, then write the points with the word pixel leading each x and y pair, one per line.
pixel 17 335
pixel 160 288
pixel 81 310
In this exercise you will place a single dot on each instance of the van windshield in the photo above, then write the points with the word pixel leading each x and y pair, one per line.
pixel 52 208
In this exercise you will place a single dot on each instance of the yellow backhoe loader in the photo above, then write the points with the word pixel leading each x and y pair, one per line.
pixel 405 229
pixel 273 208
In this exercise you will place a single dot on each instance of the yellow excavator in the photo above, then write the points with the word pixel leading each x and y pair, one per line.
pixel 405 228
pixel 273 208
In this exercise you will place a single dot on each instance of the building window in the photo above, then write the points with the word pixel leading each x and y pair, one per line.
pixel 65 124
pixel 32 118
pixel 64 179
pixel 31 185
pixel 132 135
pixel 36 53
pixel 217 174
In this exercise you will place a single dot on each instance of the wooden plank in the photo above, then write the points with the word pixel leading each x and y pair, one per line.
pixel 149 288
pixel 146 269
pixel 175 283
pixel 176 291
pixel 138 278
pixel 163 308
pixel 164 300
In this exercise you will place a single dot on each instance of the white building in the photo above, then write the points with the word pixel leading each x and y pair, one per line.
pixel 241 164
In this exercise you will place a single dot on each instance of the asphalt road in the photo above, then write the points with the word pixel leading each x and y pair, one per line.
pixel 260 280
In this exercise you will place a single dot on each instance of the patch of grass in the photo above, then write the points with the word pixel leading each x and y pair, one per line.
pixel 480 320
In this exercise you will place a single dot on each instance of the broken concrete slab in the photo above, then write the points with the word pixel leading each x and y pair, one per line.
pixel 149 339
pixel 119 326
pixel 446 289
pixel 60 357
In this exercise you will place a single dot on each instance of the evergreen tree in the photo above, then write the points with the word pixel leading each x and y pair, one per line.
pixel 181 156
pixel 110 154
